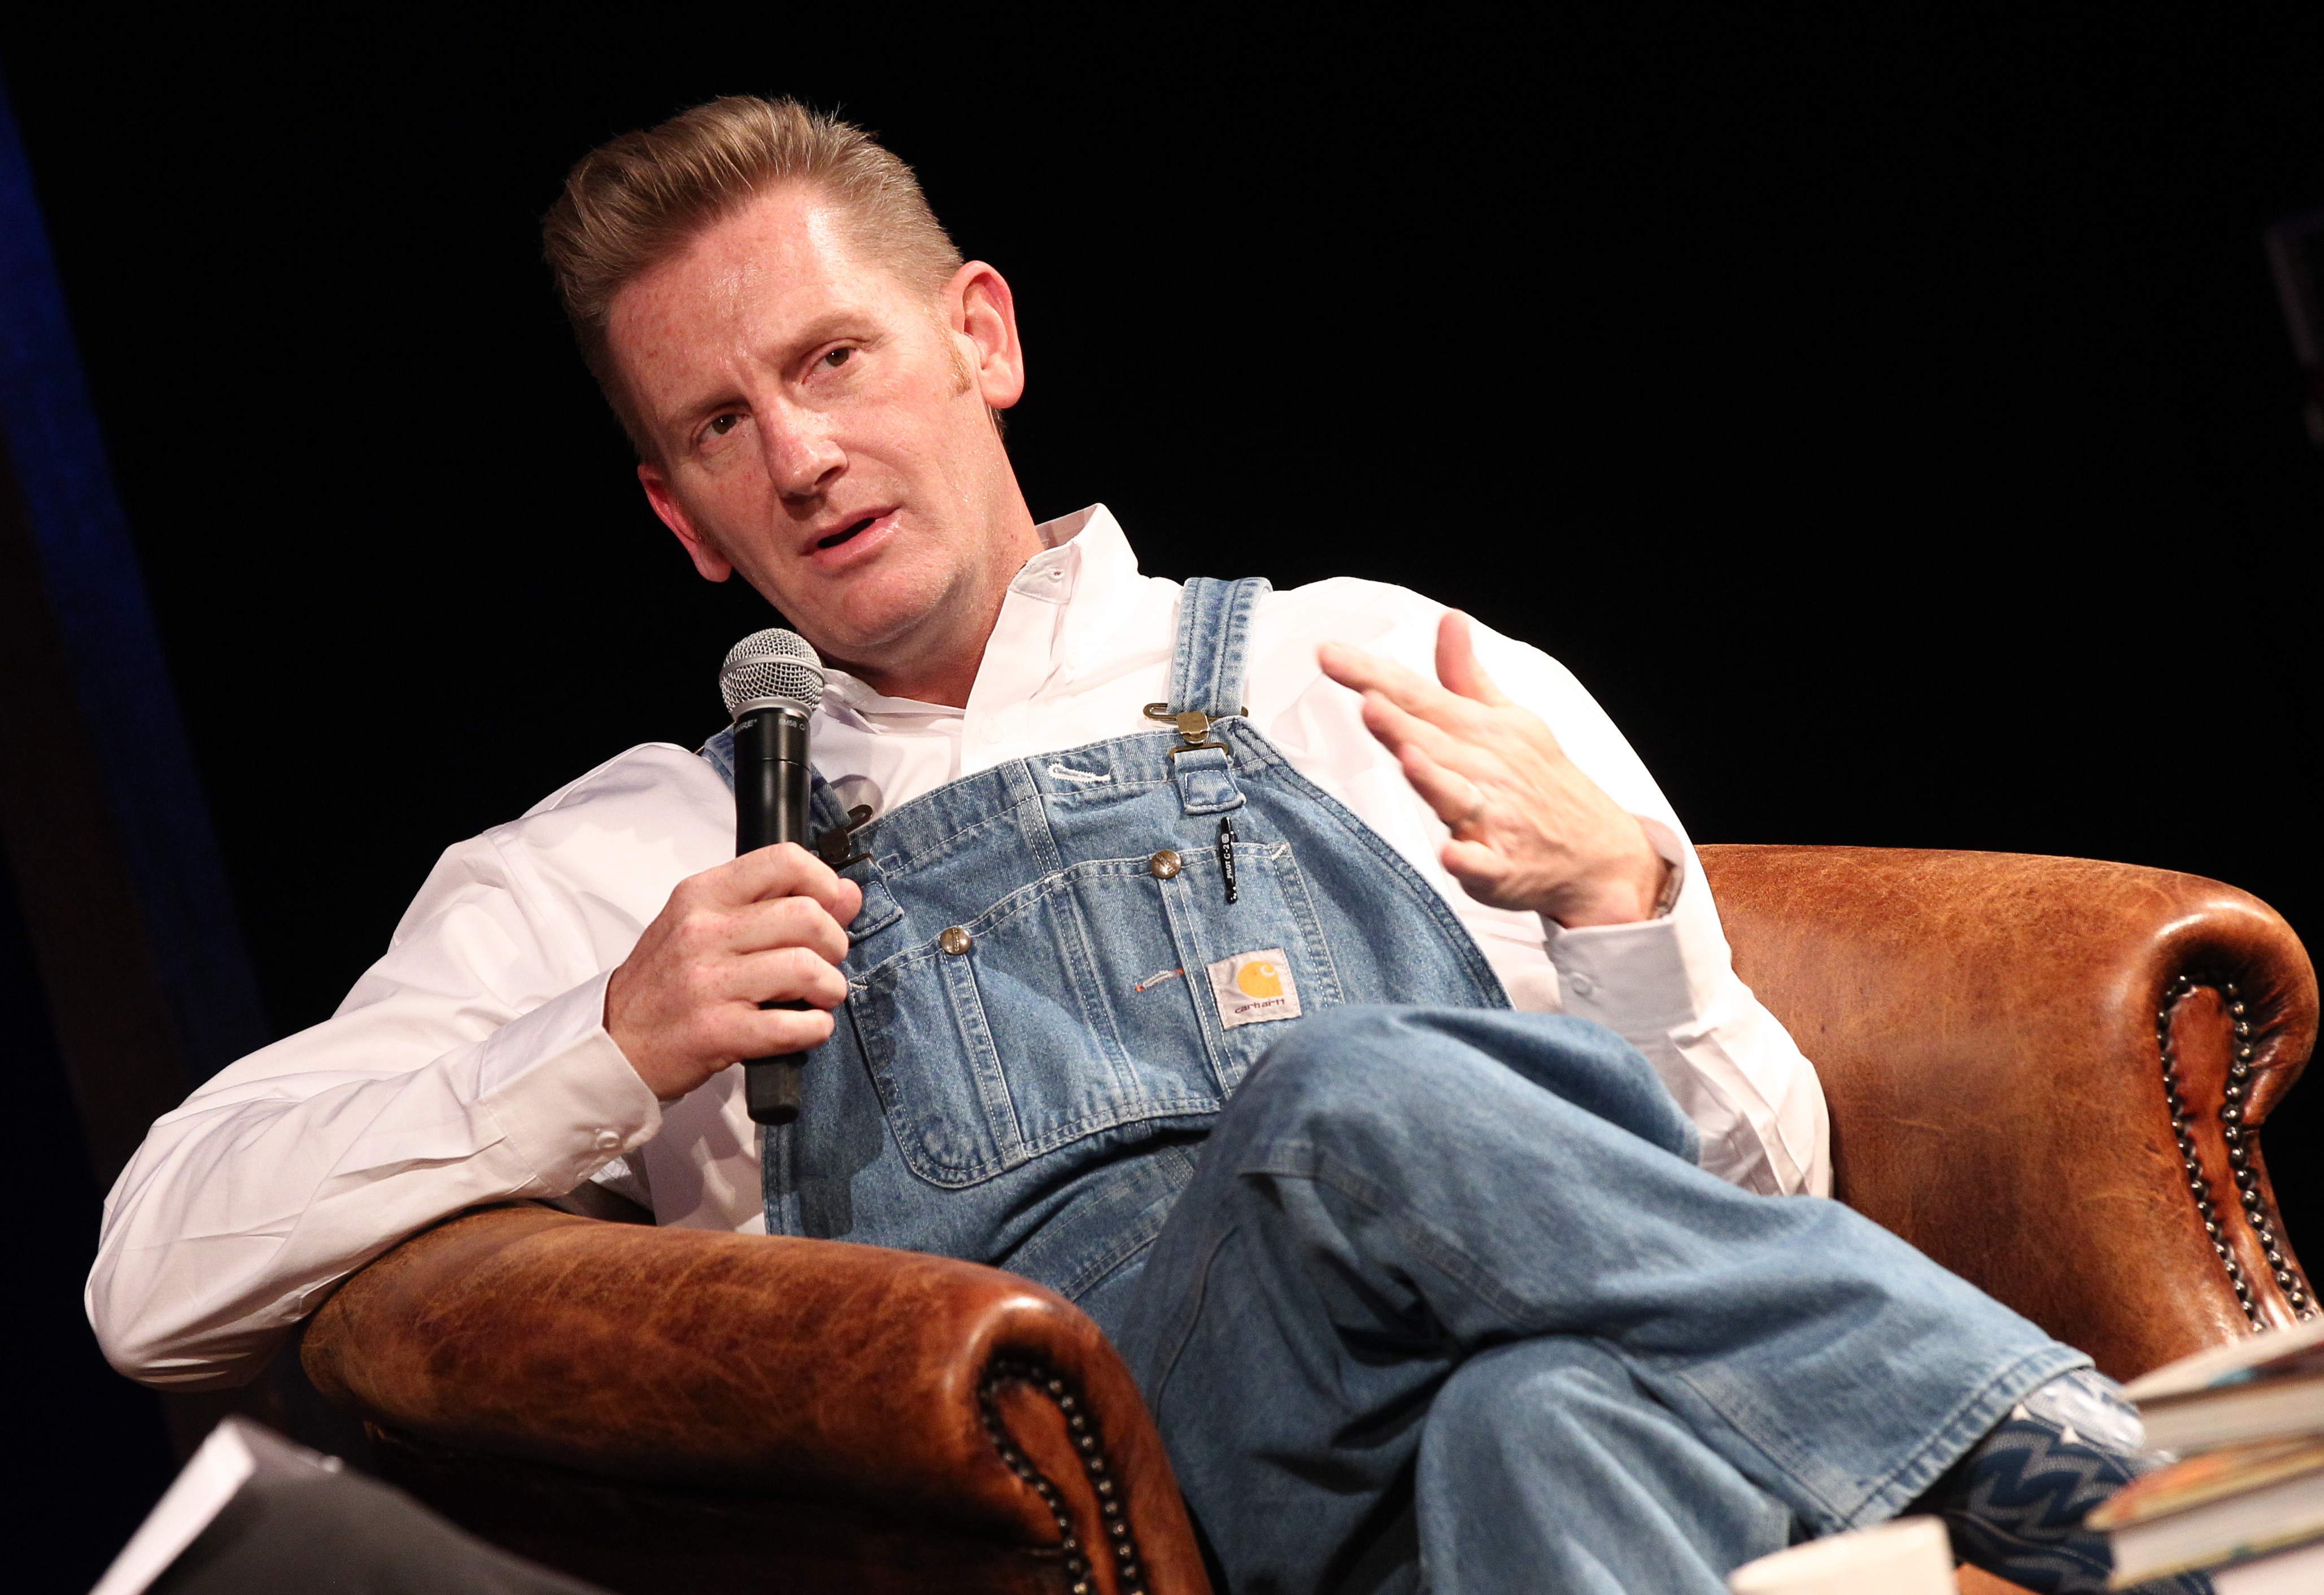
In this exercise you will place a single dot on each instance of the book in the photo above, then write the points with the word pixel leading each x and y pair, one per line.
pixel 2293 1572
pixel 2263 1386
pixel 2248 1501
pixel 2222 1506
pixel 2299 1349
pixel 2235 1414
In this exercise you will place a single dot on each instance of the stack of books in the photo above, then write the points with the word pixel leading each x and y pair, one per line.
pixel 2246 1504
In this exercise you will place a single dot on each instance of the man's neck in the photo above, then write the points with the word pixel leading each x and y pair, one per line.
pixel 946 681
pixel 944 669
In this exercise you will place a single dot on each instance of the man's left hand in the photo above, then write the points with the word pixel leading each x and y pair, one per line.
pixel 1529 830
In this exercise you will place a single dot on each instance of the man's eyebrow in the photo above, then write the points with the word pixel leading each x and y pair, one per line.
pixel 833 322
pixel 821 330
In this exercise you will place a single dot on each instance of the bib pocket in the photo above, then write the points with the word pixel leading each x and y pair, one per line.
pixel 1079 1004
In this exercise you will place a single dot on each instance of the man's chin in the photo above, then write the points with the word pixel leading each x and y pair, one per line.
pixel 872 633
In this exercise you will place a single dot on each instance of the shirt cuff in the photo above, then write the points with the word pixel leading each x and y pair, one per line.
pixel 1630 977
pixel 562 1092
pixel 1677 857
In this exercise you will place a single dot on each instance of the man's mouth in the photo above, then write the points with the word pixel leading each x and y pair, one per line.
pixel 859 538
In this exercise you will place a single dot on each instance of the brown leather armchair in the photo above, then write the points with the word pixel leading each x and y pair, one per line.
pixel 2015 1049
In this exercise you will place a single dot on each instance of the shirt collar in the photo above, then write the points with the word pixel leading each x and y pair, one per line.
pixel 1086 569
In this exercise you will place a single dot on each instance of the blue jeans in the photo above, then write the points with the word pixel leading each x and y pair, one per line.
pixel 1449 1306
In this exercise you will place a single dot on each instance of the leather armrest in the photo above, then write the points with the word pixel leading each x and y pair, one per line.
pixel 938 1391
pixel 1990 1030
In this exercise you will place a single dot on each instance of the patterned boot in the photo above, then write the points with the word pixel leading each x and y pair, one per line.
pixel 2014 1505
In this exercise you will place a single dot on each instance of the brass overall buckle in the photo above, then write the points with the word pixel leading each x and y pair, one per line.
pixel 1194 725
pixel 836 846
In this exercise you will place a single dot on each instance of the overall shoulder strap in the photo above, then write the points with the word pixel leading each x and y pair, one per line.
pixel 1214 645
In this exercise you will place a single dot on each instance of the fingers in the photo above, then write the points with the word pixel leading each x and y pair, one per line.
pixel 1463 680
pixel 697 929
pixel 787 922
pixel 780 896
pixel 769 928
pixel 1481 872
pixel 784 870
pixel 728 1035
pixel 1401 730
pixel 1353 667
pixel 850 904
pixel 1408 689
pixel 778 1032
pixel 785 974
pixel 780 974
pixel 732 1024
pixel 1456 661
pixel 1457 800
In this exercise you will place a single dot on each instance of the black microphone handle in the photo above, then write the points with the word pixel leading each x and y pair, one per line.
pixel 771 793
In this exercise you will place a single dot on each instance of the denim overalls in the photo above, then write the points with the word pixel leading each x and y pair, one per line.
pixel 1065 964
pixel 1448 1285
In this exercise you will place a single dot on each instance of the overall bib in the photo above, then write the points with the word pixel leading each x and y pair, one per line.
pixel 1065 965
pixel 1447 1303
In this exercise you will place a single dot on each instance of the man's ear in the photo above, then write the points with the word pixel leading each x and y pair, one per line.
pixel 983 313
pixel 714 566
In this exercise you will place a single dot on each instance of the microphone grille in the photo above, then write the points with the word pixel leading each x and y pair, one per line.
pixel 771 664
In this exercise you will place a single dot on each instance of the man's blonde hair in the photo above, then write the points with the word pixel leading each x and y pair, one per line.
pixel 634 203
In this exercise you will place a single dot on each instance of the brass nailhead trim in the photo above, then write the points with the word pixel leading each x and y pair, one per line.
pixel 2231 1130
pixel 1044 1379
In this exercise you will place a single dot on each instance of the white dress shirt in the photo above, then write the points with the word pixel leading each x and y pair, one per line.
pixel 471 1065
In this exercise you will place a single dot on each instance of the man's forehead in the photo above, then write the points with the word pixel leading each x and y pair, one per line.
pixel 785 251
pixel 780 272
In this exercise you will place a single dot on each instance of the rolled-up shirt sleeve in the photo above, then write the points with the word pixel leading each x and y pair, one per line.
pixel 470 1066
pixel 1668 987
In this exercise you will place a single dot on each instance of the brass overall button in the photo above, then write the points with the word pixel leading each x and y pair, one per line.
pixel 955 941
pixel 1165 864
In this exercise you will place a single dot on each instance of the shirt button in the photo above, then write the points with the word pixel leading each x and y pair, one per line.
pixel 1165 864
pixel 1580 985
pixel 608 1140
pixel 955 941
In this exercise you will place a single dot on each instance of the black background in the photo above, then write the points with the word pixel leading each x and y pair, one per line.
pixel 1898 433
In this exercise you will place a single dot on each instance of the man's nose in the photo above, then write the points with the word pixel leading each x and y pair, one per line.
pixel 802 457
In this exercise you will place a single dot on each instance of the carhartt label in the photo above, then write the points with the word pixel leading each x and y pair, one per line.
pixel 1254 987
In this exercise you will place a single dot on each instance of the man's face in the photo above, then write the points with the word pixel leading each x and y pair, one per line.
pixel 822 428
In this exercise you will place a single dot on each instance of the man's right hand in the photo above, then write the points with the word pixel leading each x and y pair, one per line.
pixel 769 928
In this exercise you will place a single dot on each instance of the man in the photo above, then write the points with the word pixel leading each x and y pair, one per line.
pixel 1360 1050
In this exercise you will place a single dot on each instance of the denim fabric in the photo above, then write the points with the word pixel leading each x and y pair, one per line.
pixel 1036 1101
pixel 1449 1306
pixel 1443 1301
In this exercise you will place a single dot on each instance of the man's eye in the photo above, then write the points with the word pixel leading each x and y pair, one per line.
pixel 837 358
pixel 724 424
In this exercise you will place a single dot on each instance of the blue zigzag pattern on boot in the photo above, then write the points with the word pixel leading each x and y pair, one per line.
pixel 2014 1505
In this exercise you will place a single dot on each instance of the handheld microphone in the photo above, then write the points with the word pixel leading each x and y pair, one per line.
pixel 771 682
